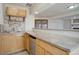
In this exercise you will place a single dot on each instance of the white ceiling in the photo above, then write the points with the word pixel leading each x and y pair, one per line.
pixel 57 10
pixel 16 4
pixel 50 10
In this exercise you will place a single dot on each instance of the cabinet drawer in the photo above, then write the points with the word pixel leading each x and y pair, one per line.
pixel 50 48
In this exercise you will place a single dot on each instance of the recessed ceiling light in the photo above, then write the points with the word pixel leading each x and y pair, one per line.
pixel 36 12
pixel 72 7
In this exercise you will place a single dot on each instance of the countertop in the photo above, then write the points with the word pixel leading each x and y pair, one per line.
pixel 67 43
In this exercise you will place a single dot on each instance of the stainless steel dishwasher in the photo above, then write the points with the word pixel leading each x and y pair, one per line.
pixel 32 44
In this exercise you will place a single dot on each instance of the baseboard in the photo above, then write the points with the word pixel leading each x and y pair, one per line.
pixel 12 52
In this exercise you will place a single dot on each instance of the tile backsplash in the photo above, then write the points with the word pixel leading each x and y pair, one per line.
pixel 13 26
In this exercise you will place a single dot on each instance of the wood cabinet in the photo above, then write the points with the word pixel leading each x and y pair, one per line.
pixel 10 43
pixel 39 50
pixel 12 11
pixel 1 50
pixel 19 42
pixel 43 47
pixel 21 13
pixel 47 53
pixel 27 42
pixel 15 11
pixel 47 49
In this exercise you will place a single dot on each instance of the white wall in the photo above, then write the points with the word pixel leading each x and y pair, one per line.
pixel 67 24
pixel 55 24
pixel 61 22
pixel 29 22
pixel 1 13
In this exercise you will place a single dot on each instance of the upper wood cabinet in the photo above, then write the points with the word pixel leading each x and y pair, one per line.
pixel 21 13
pixel 14 11
pixel 11 11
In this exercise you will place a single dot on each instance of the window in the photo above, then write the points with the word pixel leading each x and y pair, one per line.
pixel 41 24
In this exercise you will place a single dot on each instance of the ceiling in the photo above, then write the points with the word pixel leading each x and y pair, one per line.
pixel 50 9
pixel 16 4
pixel 57 10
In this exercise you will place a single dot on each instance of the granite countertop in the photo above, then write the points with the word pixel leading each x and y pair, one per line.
pixel 68 43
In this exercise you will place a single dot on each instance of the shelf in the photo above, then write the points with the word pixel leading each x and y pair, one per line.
pixel 16 19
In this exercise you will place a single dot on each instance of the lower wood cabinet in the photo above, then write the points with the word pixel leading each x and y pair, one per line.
pixel 47 53
pixel 44 48
pixel 26 42
pixel 39 50
pixel 10 44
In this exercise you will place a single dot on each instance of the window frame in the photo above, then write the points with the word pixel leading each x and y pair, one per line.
pixel 41 22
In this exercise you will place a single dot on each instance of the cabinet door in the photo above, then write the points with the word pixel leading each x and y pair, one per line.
pixel 39 50
pixel 27 42
pixel 50 48
pixel 1 45
pixel 21 13
pixel 8 45
pixel 47 53
pixel 12 11
pixel 20 42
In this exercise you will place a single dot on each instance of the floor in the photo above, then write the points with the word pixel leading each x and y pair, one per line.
pixel 21 53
